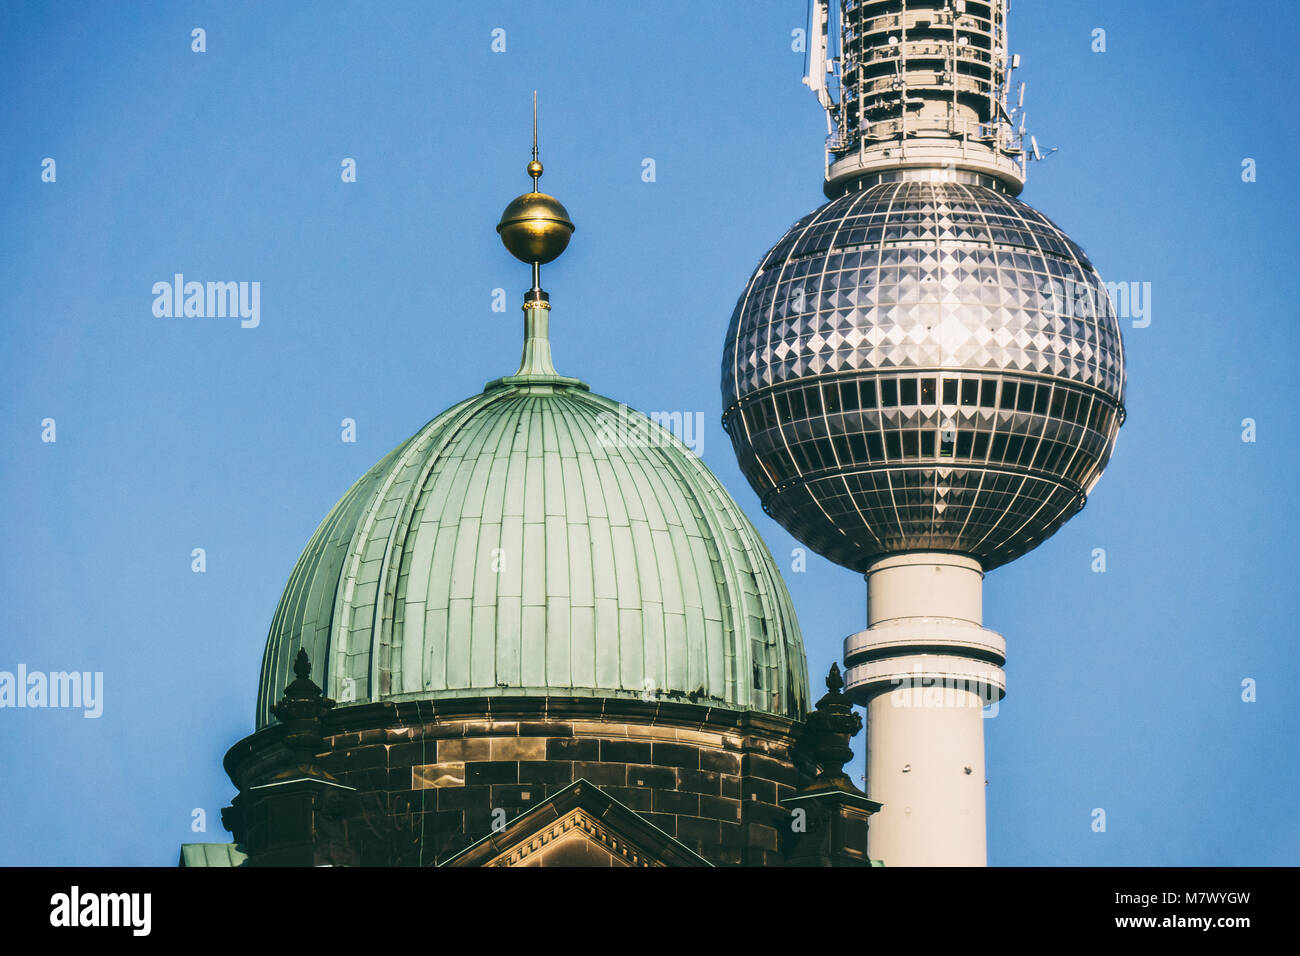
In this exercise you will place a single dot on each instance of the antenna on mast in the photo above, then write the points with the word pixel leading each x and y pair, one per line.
pixel 1037 152
pixel 818 65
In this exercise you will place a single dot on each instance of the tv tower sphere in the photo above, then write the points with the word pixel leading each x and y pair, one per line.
pixel 923 380
pixel 925 363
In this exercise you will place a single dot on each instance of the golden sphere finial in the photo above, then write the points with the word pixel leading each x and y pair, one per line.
pixel 535 227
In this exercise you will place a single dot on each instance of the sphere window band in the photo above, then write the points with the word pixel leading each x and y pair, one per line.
pixel 1046 439
pixel 1054 414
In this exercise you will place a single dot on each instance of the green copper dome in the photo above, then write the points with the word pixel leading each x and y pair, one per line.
pixel 538 539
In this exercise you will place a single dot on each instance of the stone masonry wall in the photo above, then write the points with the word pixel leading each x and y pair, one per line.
pixel 437 775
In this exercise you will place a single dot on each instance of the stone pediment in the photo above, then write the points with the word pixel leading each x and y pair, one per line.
pixel 580 825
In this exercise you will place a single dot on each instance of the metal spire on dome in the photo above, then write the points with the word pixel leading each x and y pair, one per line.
pixel 535 167
pixel 535 228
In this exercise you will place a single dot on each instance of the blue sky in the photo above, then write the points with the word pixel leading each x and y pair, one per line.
pixel 175 433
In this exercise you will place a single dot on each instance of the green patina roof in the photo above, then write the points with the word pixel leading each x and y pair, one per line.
pixel 211 854
pixel 539 539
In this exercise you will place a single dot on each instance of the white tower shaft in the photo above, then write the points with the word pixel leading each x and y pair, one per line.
pixel 924 669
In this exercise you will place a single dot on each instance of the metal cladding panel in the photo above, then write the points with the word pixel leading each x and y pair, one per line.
pixel 540 541
pixel 923 365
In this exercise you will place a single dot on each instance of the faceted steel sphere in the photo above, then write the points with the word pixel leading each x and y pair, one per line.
pixel 923 365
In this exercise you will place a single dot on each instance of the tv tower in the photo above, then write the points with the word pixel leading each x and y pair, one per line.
pixel 923 380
